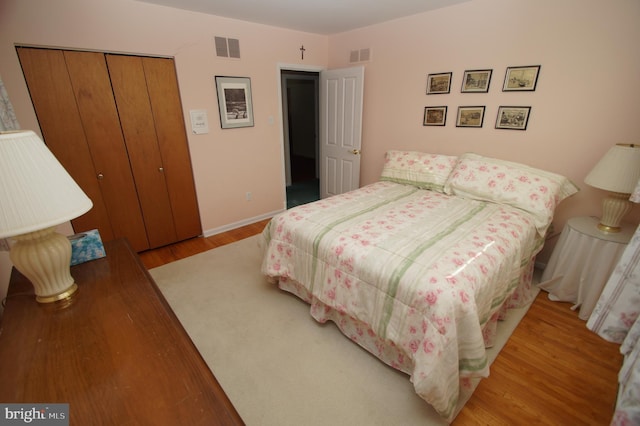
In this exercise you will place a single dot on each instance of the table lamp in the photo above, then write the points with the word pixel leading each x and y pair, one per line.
pixel 36 195
pixel 617 172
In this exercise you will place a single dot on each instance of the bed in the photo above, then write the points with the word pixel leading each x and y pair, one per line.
pixel 418 267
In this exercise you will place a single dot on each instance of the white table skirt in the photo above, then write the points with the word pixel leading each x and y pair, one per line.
pixel 580 266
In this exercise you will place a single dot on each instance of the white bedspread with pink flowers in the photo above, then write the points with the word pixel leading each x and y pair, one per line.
pixel 415 276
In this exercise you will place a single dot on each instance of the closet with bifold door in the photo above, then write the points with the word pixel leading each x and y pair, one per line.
pixel 115 122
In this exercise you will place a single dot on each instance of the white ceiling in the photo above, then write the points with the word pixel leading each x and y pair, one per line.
pixel 314 16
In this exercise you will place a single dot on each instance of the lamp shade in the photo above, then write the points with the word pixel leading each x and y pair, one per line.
pixel 618 171
pixel 36 192
pixel 635 195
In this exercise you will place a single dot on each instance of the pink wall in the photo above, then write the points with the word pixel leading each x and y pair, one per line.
pixel 585 101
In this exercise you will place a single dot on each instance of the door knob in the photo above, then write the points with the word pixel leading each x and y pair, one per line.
pixel 100 176
pixel 355 151
pixel 161 169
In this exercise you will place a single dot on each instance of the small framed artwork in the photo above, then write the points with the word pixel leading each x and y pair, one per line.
pixel 470 116
pixel 435 116
pixel 518 79
pixel 439 83
pixel 476 81
pixel 234 102
pixel 513 117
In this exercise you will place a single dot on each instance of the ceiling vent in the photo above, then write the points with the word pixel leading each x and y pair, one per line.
pixel 361 55
pixel 227 47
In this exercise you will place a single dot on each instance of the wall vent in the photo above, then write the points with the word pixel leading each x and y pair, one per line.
pixel 360 55
pixel 227 47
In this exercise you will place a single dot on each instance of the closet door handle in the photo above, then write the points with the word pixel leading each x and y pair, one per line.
pixel 100 176
pixel 161 169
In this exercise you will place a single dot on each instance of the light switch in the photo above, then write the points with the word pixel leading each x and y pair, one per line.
pixel 199 121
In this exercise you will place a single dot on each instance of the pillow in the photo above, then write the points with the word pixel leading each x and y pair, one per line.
pixel 533 190
pixel 427 171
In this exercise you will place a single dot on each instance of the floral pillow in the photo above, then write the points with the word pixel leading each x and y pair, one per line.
pixel 533 190
pixel 426 171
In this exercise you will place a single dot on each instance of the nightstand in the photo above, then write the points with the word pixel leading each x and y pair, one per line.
pixel 582 261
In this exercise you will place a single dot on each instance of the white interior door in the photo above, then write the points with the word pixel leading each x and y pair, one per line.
pixel 341 93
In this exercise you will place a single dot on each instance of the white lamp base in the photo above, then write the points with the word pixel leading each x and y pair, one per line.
pixel 614 208
pixel 44 257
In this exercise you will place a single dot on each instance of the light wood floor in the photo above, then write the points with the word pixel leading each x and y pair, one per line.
pixel 552 371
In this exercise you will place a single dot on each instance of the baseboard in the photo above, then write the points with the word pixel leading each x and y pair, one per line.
pixel 234 225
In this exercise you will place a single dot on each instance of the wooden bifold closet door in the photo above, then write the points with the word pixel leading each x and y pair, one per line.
pixel 115 123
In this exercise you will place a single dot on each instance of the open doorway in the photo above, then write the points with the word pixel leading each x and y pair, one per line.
pixel 301 126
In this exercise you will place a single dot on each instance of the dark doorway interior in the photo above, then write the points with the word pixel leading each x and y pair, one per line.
pixel 301 108
pixel 305 186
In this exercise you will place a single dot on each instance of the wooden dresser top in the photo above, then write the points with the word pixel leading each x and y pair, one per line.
pixel 116 353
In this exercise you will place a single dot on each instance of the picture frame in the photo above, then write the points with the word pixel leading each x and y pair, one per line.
pixel 234 101
pixel 521 79
pixel 476 81
pixel 513 117
pixel 435 116
pixel 439 83
pixel 470 116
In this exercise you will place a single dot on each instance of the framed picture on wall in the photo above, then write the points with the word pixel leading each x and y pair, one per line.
pixel 518 79
pixel 435 116
pixel 513 117
pixel 470 116
pixel 476 81
pixel 234 102
pixel 439 83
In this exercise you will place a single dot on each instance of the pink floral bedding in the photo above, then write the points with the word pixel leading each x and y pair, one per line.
pixel 417 277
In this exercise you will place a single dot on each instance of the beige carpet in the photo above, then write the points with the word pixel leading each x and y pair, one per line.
pixel 277 365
